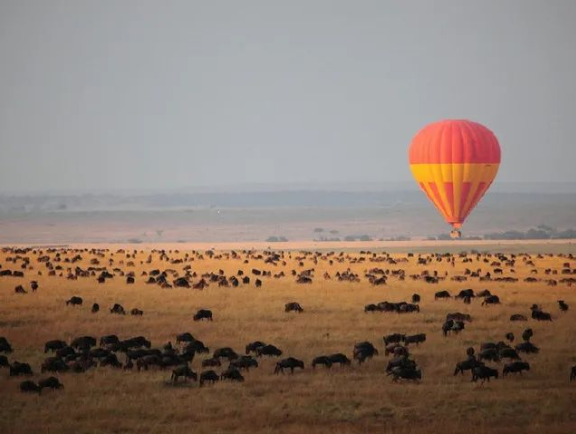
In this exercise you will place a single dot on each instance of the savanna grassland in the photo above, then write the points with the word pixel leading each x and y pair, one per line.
pixel 360 398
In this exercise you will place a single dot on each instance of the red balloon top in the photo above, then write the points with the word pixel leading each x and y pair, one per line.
pixel 454 141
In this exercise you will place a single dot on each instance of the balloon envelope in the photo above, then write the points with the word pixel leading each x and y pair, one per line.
pixel 454 162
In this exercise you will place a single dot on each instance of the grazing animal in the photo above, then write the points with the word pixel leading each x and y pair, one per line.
pixel 5 346
pixel 75 301
pixel 118 309
pixel 509 336
pixel 50 383
pixel 4 362
pixel 293 307
pixel 518 317
pixel 183 371
pixel 339 359
pixel 321 360
pixel 572 373
pixel 441 295
pixel 364 351
pixel 394 338
pixel 515 368
pixel 212 362
pixel 400 372
pixel 226 353
pixel 17 369
pixel 467 365
pixel 244 362
pixel 208 377
pixel 203 314
pixel 232 374
pixel 268 350
pixel 54 345
pixel 415 339
pixel 95 308
pixel 527 347
pixel 30 387
pixel 484 373
pixel 252 347
pixel 527 335
pixel 136 312
pixel 562 305
pixel 289 363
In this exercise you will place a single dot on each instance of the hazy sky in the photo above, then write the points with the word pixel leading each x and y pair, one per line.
pixel 167 94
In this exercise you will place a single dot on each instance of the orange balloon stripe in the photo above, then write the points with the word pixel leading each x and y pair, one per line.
pixel 454 141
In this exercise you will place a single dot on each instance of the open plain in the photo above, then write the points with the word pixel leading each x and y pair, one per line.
pixel 343 399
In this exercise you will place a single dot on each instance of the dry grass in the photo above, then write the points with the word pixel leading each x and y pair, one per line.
pixel 342 400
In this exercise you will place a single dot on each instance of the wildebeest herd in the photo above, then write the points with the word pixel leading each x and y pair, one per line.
pixel 185 357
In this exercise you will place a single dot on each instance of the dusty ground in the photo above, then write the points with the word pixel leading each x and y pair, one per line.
pixel 342 400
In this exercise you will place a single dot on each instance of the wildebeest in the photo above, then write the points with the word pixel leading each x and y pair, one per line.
pixel 415 339
pixel 562 305
pixel 5 346
pixel 54 364
pixel 540 315
pixel 203 314
pixel 452 326
pixel 4 362
pixel 244 362
pixel 492 299
pixel 484 373
pixel 118 309
pixel 18 368
pixel 95 308
pixel 441 294
pixel 268 350
pixel 509 336
pixel 211 362
pixel 363 351
pixel 321 360
pixel 288 363
pixel 208 377
pixel 226 353
pixel 30 387
pixel 394 338
pixel 371 308
pixel 467 365
pixel 404 373
pixel 232 374
pixel 508 353
pixel 54 345
pixel 183 371
pixel 518 317
pixel 253 346
pixel 50 383
pixel 83 342
pixel 75 301
pixel 527 334
pixel 573 373
pixel 339 359
pixel 457 316
pixel 136 312
pixel 293 307
pixel 20 290
pixel 527 347
pixel 415 298
pixel 515 367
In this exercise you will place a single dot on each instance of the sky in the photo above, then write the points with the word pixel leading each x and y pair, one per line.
pixel 128 95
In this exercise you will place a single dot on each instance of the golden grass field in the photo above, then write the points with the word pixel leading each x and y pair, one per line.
pixel 341 400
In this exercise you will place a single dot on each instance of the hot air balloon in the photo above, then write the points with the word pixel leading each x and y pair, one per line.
pixel 454 162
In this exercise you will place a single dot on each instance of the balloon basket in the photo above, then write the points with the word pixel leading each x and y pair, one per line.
pixel 455 234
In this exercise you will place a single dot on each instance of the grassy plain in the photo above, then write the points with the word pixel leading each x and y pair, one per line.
pixel 340 400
